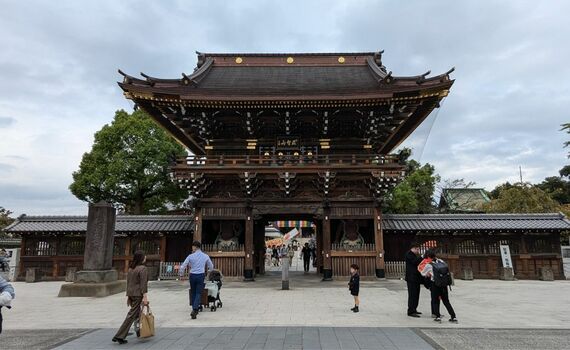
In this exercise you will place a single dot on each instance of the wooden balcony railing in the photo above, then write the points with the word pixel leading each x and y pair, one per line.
pixel 295 160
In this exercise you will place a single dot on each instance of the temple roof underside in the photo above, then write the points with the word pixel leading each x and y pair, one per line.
pixel 349 96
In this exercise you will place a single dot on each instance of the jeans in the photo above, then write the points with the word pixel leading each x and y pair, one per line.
pixel 196 288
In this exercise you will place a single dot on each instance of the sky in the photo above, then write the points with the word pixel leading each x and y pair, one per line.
pixel 59 61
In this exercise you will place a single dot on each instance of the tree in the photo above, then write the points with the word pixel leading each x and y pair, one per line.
pixel 5 220
pixel 128 166
pixel 566 127
pixel 522 198
pixel 415 193
pixel 494 194
pixel 556 187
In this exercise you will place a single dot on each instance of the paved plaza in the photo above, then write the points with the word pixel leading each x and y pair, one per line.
pixel 312 315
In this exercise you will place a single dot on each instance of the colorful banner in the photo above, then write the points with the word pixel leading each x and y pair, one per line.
pixel 291 234
pixel 293 223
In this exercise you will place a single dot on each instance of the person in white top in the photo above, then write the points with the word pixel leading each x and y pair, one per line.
pixel 438 271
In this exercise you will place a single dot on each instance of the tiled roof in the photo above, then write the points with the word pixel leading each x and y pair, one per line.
pixel 124 224
pixel 473 222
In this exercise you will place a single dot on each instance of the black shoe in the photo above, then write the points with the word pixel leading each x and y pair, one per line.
pixel 119 340
pixel 138 334
pixel 193 314
pixel 414 315
pixel 453 320
pixel 355 309
pixel 437 319
pixel 417 312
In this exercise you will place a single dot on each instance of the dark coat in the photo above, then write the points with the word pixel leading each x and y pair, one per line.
pixel 412 262
pixel 354 284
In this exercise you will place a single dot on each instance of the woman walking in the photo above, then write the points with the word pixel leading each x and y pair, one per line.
pixel 137 287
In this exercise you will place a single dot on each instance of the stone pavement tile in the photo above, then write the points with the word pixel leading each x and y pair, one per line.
pixel 520 339
pixel 274 344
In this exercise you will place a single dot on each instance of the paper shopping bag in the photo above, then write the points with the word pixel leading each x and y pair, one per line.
pixel 146 322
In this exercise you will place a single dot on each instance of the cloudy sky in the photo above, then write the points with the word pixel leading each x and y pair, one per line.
pixel 59 60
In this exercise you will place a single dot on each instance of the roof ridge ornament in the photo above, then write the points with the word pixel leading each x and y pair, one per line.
pixel 379 73
pixel 422 78
pixel 199 74
pixel 445 76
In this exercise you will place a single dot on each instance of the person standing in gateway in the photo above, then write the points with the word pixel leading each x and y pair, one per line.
pixel 197 261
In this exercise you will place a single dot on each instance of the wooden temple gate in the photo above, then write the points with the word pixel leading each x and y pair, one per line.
pixel 280 135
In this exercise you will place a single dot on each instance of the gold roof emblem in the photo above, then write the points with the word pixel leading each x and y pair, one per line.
pixel 239 60
pixel 341 59
pixel 290 60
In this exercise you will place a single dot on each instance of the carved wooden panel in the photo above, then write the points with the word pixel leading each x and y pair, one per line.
pixel 343 212
pixel 228 212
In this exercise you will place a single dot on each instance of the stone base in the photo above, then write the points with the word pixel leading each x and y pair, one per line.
pixel 248 275
pixel 507 274
pixel 285 285
pixel 96 276
pixel 97 290
pixel 467 274
pixel 545 274
pixel 380 273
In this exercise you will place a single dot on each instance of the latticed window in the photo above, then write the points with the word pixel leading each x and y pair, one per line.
pixel 119 247
pixel 40 248
pixel 75 247
pixel 494 247
pixel 150 247
pixel 427 245
pixel 469 247
pixel 541 246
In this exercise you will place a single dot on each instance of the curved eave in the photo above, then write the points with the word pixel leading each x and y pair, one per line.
pixel 395 93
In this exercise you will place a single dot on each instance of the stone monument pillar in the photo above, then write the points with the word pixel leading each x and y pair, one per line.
pixel 97 279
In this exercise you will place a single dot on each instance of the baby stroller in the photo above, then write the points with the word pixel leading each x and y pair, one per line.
pixel 211 294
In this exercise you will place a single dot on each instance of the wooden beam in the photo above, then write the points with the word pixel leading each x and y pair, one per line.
pixel 379 242
pixel 198 222
pixel 249 253
pixel 327 259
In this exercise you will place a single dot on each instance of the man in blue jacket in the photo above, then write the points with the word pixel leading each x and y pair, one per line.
pixel 6 296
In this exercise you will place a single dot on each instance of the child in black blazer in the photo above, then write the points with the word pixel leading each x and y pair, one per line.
pixel 354 286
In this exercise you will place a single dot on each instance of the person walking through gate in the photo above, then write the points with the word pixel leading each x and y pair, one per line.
pixel 306 252
pixel 198 261
pixel 137 288
pixel 438 271
pixel 413 279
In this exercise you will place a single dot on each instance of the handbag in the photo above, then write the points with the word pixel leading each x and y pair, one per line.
pixel 146 322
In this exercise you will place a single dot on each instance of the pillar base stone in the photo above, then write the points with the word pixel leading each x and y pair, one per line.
pixel 327 275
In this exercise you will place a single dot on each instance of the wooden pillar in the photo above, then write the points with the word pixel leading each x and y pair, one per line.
pixel 163 248
pixel 249 253
pixel 327 259
pixel 379 243
pixel 127 253
pixel 22 268
pixel 55 269
pixel 198 222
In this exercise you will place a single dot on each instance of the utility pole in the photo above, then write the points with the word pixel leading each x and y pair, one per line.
pixel 520 174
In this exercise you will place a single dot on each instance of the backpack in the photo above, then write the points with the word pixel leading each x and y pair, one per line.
pixel 441 274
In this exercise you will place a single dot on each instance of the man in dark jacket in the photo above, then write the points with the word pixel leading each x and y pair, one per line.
pixel 413 279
